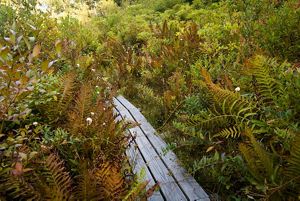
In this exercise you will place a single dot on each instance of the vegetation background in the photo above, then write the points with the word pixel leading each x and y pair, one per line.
pixel 220 80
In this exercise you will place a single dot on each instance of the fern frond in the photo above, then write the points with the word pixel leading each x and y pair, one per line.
pixel 82 106
pixel 231 132
pixel 262 154
pixel 66 92
pixel 208 121
pixel 58 179
pixel 293 169
pixel 111 181
pixel 250 158
pixel 147 94
pixel 87 188
pixel 260 162
pixel 17 187
pixel 268 88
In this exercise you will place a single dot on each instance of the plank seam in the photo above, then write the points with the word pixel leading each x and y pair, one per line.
pixel 147 165
pixel 159 155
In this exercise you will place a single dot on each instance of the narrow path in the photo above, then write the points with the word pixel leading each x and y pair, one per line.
pixel 146 153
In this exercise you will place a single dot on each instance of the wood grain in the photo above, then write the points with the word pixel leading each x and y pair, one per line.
pixel 175 182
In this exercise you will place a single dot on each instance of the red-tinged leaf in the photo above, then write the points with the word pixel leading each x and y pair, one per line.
pixel 18 169
pixel 151 190
pixel 36 50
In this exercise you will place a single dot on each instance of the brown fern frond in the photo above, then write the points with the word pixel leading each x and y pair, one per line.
pixel 67 88
pixel 111 181
pixel 18 187
pixel 79 112
pixel 87 188
pixel 58 179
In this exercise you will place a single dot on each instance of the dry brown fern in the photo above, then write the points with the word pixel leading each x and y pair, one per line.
pixel 110 179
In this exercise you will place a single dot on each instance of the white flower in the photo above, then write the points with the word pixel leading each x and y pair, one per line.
pixel 78 65
pixel 97 86
pixel 93 70
pixel 104 124
pixel 35 123
pixel 89 121
pixel 237 89
pixel 92 113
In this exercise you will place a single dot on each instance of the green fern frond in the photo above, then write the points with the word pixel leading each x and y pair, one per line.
pixel 262 154
pixel 293 169
pixel 229 110
pixel 147 94
pixel 208 121
pixel 268 88
pixel 259 161
pixel 231 132
pixel 250 158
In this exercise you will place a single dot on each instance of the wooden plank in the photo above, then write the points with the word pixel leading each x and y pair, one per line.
pixel 160 172
pixel 187 183
pixel 137 162
pixel 171 191
pixel 139 165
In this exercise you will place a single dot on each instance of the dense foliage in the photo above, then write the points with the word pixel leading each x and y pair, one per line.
pixel 220 79
pixel 58 135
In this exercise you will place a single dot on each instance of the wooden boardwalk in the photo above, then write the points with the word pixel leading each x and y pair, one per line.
pixel 146 153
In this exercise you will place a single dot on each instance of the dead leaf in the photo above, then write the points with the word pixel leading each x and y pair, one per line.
pixel 36 50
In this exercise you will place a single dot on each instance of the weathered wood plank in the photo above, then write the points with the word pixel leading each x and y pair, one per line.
pixel 139 165
pixel 137 162
pixel 187 183
pixel 162 175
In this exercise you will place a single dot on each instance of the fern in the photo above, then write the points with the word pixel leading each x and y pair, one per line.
pixel 231 132
pixel 249 156
pixel 260 161
pixel 17 187
pixel 87 188
pixel 268 88
pixel 77 117
pixel 231 112
pixel 58 179
pixel 293 168
pixel 67 91
pixel 110 180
